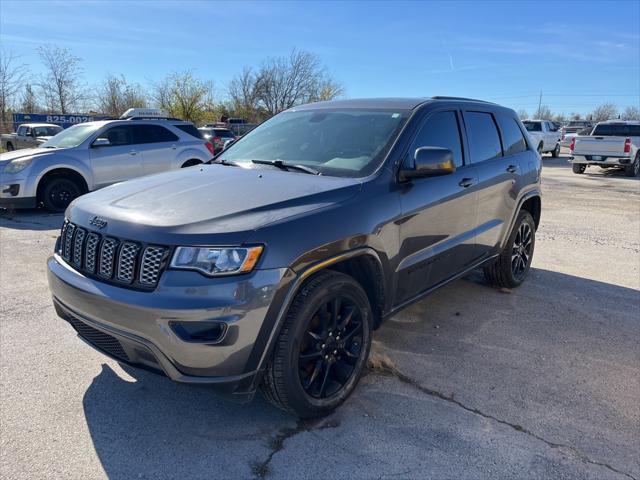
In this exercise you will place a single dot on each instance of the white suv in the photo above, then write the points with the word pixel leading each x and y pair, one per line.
pixel 92 155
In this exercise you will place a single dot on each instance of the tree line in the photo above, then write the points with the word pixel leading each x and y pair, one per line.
pixel 256 93
pixel 605 111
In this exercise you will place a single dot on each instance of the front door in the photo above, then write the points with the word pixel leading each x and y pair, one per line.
pixel 438 213
pixel 117 161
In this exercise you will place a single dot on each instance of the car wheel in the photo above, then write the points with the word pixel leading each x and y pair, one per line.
pixel 512 266
pixel 556 151
pixel 58 193
pixel 540 149
pixel 191 163
pixel 10 147
pixel 322 348
pixel 633 169
pixel 578 168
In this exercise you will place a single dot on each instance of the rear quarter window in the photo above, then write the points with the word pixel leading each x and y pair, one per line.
pixel 190 129
pixel 512 137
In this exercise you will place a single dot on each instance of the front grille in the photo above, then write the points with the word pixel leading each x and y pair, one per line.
pixel 101 340
pixel 112 259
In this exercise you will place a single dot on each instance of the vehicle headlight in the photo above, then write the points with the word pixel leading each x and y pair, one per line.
pixel 215 261
pixel 16 166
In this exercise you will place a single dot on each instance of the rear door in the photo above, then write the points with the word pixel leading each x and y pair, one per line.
pixel 118 161
pixel 498 151
pixel 158 145
pixel 438 213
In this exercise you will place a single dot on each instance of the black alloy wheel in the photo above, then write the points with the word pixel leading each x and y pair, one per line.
pixel 521 251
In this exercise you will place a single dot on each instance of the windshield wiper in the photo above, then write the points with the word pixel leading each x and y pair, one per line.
pixel 223 162
pixel 287 166
pixel 49 146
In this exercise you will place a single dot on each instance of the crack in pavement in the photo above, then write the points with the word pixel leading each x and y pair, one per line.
pixel 385 369
pixel 276 444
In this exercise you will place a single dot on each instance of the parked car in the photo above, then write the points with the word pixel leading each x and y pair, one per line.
pixel 565 141
pixel 574 126
pixel 613 143
pixel 92 155
pixel 269 268
pixel 217 136
pixel 239 126
pixel 545 136
pixel 29 135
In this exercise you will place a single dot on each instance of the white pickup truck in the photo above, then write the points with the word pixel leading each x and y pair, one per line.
pixel 545 135
pixel 613 143
pixel 29 135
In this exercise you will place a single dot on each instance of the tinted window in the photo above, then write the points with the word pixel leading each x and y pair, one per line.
pixel 120 135
pixel 533 126
pixel 440 130
pixel 28 132
pixel 22 131
pixel 512 137
pixel 484 141
pixel 221 132
pixel 47 131
pixel 617 130
pixel 190 129
pixel 153 134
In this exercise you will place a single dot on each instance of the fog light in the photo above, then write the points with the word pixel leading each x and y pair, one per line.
pixel 12 189
pixel 199 332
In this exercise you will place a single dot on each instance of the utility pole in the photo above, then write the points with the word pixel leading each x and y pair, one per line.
pixel 539 104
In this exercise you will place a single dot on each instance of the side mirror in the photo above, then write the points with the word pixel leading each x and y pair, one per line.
pixel 430 162
pixel 101 142
pixel 227 144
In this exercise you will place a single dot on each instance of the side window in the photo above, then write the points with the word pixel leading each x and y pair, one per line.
pixel 512 137
pixel 120 135
pixel 440 130
pixel 28 132
pixel 484 141
pixel 22 131
pixel 153 134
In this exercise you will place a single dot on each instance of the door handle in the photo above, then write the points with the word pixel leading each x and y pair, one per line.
pixel 512 169
pixel 466 182
pixel 133 152
pixel 174 146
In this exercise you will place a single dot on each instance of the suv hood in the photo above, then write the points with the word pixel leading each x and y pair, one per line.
pixel 26 152
pixel 226 201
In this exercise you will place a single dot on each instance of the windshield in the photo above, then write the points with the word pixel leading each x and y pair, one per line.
pixel 533 126
pixel 345 143
pixel 72 136
pixel 47 131
pixel 616 130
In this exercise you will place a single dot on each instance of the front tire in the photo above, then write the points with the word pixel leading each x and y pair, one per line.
pixel 322 348
pixel 513 264
pixel 540 149
pixel 578 168
pixel 10 147
pixel 58 192
pixel 633 169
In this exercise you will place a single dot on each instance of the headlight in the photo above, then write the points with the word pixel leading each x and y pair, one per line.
pixel 216 260
pixel 16 166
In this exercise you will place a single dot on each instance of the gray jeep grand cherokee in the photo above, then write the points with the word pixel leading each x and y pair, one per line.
pixel 269 268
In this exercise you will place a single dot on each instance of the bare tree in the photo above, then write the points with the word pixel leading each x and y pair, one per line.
pixel 29 102
pixel 60 84
pixel 575 116
pixel 544 112
pixel 115 95
pixel 283 82
pixel 631 113
pixel 522 114
pixel 244 95
pixel 12 76
pixel 603 112
pixel 183 96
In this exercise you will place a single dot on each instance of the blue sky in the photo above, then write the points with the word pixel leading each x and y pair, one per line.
pixel 579 53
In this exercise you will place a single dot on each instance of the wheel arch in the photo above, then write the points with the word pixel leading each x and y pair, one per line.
pixel 64 172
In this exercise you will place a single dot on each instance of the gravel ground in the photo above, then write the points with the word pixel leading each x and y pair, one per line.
pixel 472 382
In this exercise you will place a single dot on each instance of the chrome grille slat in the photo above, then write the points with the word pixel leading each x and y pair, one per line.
pixel 127 261
pixel 93 240
pixel 112 259
pixel 78 244
pixel 107 254
pixel 151 264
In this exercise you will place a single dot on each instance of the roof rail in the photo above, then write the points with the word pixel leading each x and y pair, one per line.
pixel 154 118
pixel 460 98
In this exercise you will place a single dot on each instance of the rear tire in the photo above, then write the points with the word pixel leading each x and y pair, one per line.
pixel 58 192
pixel 556 151
pixel 633 169
pixel 578 168
pixel 513 264
pixel 312 369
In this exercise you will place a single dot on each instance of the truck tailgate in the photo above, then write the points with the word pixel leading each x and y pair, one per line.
pixel 605 146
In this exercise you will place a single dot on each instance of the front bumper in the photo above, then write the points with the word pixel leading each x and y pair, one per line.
pixel 15 193
pixel 134 327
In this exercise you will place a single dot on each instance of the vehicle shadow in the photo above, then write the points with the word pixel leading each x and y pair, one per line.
pixel 31 219
pixel 142 424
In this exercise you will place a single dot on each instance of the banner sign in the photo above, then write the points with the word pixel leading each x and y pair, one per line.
pixel 63 120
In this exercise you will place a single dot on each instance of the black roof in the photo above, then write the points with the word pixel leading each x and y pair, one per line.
pixel 390 103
